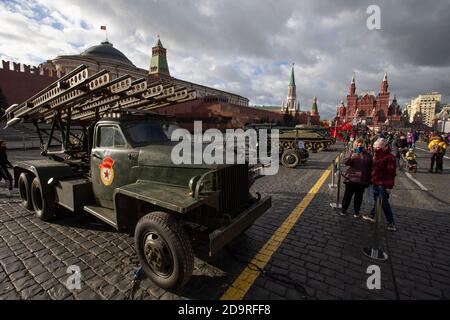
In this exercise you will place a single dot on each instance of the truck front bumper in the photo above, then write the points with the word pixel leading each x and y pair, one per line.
pixel 220 237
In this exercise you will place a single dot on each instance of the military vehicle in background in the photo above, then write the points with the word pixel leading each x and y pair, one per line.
pixel 291 154
pixel 317 138
pixel 115 163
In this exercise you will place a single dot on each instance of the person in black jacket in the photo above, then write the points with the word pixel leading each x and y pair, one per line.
pixel 5 164
pixel 401 146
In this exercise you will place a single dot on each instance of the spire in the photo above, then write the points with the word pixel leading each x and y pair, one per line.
pixel 159 43
pixel 158 63
pixel 291 100
pixel 292 80
pixel 384 84
pixel 352 88
pixel 314 109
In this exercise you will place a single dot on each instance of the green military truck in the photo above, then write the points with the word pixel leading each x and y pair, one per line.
pixel 114 162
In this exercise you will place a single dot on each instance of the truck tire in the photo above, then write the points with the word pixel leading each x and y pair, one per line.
pixel 164 250
pixel 44 205
pixel 290 159
pixel 24 184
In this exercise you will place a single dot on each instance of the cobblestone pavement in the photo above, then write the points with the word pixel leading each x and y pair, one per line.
pixel 322 251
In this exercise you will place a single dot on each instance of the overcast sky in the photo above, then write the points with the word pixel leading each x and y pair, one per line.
pixel 247 46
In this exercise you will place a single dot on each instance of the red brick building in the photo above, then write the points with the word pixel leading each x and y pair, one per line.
pixel 373 109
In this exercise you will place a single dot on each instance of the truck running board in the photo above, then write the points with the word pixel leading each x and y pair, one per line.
pixel 104 214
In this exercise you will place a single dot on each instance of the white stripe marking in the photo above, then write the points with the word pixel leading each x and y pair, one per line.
pixel 428 152
pixel 421 186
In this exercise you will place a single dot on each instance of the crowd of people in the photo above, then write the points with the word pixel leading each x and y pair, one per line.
pixel 372 160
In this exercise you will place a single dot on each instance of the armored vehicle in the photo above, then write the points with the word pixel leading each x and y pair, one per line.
pixel 315 138
pixel 115 163
pixel 292 154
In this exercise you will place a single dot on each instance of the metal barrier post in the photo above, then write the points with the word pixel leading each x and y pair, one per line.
pixel 375 252
pixel 337 204
pixel 333 173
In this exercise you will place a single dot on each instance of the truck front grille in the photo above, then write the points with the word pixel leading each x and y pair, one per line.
pixel 234 187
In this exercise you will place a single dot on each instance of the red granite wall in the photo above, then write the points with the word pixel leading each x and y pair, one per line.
pixel 20 82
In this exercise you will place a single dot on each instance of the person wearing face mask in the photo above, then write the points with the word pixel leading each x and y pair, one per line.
pixel 357 177
pixel 383 179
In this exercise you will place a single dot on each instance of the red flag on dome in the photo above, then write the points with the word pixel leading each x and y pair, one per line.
pixel 103 27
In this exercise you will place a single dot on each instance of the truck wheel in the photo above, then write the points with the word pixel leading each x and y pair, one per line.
pixel 290 159
pixel 44 205
pixel 164 250
pixel 24 184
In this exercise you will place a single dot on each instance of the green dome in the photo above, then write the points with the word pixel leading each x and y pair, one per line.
pixel 107 51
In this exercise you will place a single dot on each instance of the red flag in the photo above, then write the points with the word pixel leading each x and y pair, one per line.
pixel 103 27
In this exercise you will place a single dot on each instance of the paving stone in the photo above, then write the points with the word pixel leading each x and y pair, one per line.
pixel 49 283
pixel 5 287
pixel 37 270
pixel 32 291
pixel 13 267
pixel 107 291
pixel 276 288
pixel 87 294
pixel 429 290
pixel 18 274
pixel 24 283
pixel 58 292
pixel 43 277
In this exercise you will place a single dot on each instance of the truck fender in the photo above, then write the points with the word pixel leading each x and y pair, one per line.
pixel 43 170
pixel 143 197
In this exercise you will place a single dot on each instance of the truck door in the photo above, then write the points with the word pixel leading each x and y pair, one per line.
pixel 111 161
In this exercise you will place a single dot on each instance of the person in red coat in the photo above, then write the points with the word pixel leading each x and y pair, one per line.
pixel 383 179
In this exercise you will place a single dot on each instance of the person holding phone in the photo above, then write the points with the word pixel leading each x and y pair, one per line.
pixel 356 177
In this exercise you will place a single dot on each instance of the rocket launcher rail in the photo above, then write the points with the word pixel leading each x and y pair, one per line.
pixel 82 98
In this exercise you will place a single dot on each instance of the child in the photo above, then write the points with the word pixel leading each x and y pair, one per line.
pixel 411 156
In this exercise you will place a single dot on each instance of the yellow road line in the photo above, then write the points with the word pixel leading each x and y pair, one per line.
pixel 247 277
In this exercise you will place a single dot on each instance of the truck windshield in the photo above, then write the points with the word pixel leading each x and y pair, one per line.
pixel 143 133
